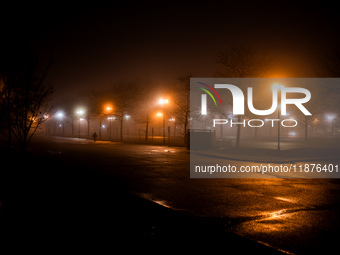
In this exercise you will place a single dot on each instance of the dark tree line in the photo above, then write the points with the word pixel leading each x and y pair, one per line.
pixel 137 99
pixel 242 61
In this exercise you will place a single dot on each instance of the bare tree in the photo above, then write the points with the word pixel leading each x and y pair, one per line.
pixel 330 63
pixel 241 62
pixel 93 99
pixel 146 98
pixel 3 89
pixel 8 71
pixel 25 99
pixel 123 95
pixel 180 95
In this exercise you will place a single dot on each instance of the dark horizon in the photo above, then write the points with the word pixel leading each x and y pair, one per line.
pixel 95 46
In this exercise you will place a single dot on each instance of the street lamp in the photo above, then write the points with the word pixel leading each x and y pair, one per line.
pixel 278 87
pixel 108 110
pixel 127 117
pixel 174 121
pixel 60 115
pixel 162 102
pixel 331 118
pixel 159 115
pixel 80 113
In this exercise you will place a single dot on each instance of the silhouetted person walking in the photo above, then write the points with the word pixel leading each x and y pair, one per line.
pixel 94 136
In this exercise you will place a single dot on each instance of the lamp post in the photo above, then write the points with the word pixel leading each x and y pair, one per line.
pixel 108 110
pixel 174 121
pixel 278 88
pixel 315 123
pixel 332 119
pixel 159 114
pixel 162 102
pixel 127 117
pixel 80 113
pixel 278 129
pixel 60 116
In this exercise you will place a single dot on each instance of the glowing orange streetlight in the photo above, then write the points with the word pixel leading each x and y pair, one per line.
pixel 108 109
pixel 162 102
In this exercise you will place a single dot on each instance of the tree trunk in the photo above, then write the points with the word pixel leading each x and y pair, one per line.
pixel 9 123
pixel 88 127
pixel 121 126
pixel 185 127
pixel 72 120
pixel 306 128
pixel 100 127
pixel 238 134
pixel 121 130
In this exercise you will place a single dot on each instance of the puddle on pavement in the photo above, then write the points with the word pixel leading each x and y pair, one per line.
pixel 163 150
pixel 169 151
pixel 286 199
pixel 273 222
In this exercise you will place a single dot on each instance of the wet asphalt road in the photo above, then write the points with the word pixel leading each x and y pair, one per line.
pixel 293 215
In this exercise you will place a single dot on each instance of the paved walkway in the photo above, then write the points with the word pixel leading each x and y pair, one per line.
pixel 50 208
pixel 291 150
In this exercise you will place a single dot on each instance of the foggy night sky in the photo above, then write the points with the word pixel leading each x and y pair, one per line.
pixel 94 45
